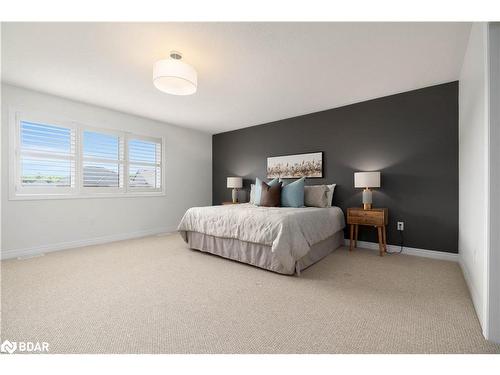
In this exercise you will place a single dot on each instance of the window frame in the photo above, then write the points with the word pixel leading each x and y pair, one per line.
pixel 78 191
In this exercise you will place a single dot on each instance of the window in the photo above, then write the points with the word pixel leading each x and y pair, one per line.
pixel 102 160
pixel 54 159
pixel 144 157
pixel 46 158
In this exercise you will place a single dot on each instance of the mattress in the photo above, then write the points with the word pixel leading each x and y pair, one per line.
pixel 261 255
pixel 287 234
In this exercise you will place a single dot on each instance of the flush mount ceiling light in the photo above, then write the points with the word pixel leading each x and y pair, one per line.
pixel 174 76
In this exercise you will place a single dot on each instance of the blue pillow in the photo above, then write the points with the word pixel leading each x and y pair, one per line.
pixel 258 189
pixel 292 194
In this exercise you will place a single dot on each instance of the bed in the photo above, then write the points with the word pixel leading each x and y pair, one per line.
pixel 280 239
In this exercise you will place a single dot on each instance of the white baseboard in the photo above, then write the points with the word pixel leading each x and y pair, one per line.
pixel 32 251
pixel 474 294
pixel 409 251
pixel 37 250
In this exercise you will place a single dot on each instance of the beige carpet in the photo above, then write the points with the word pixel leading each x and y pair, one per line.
pixel 153 295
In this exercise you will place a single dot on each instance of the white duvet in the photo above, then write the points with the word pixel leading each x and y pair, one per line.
pixel 289 231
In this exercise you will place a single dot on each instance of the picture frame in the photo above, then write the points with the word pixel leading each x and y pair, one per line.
pixel 308 165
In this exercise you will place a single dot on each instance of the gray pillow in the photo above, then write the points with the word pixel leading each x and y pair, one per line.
pixel 316 196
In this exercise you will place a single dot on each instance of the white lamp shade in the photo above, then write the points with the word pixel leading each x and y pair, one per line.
pixel 175 77
pixel 235 182
pixel 366 179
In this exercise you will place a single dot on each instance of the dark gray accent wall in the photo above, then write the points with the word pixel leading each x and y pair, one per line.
pixel 412 138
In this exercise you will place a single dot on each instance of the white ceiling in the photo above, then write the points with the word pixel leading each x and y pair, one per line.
pixel 248 73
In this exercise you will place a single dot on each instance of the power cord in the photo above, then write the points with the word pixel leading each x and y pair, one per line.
pixel 401 244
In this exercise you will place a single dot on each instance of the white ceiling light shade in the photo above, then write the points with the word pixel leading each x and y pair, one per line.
pixel 174 76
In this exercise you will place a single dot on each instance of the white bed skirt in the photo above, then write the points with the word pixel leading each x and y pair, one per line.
pixel 261 255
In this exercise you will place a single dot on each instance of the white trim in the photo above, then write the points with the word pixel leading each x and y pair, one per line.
pixel 472 288
pixel 31 251
pixel 409 251
pixel 38 250
pixel 130 194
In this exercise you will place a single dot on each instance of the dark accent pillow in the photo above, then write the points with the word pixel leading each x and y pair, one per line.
pixel 270 195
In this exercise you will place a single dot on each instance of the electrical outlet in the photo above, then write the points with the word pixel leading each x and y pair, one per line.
pixel 401 225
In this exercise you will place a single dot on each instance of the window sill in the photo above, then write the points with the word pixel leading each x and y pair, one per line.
pixel 30 197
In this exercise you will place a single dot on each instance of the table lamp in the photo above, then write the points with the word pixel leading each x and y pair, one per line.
pixel 367 180
pixel 235 183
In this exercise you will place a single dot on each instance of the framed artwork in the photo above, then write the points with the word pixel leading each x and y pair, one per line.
pixel 296 166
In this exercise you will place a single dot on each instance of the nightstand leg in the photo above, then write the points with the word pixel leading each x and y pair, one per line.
pixel 351 237
pixel 385 239
pixel 380 244
pixel 356 236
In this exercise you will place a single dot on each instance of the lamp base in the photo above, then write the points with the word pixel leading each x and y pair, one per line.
pixel 367 199
pixel 235 195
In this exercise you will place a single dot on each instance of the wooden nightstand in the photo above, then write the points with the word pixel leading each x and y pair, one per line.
pixel 224 203
pixel 376 217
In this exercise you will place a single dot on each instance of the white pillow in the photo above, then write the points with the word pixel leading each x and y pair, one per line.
pixel 252 193
pixel 331 189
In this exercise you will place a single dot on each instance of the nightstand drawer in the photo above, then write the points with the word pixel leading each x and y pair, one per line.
pixel 366 220
pixel 367 217
pixel 364 213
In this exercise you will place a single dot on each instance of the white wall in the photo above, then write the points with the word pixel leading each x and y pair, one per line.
pixel 1 147
pixel 44 225
pixel 473 167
